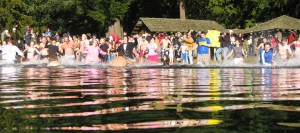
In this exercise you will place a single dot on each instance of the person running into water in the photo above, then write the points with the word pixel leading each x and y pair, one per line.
pixel 83 47
pixel 225 44
pixel 121 61
pixel 77 47
pixel 171 54
pixel 296 44
pixel 31 51
pixel 266 55
pixel 9 52
pixel 128 49
pixel 44 51
pixel 142 49
pixel 189 42
pixel 204 43
pixel 53 61
pixel 238 53
pixel 93 52
pixel 184 49
pixel 68 48
pixel 152 54
pixel 284 50
pixel 53 49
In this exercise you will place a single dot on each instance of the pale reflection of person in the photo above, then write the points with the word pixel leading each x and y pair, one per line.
pixel 121 61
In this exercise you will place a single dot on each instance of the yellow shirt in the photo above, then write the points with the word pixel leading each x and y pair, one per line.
pixel 189 42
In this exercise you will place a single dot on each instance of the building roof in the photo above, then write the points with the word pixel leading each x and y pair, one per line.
pixel 175 25
pixel 282 22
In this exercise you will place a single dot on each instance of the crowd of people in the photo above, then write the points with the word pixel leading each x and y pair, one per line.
pixel 146 48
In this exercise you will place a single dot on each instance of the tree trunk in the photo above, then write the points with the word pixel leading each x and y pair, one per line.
pixel 116 28
pixel 181 9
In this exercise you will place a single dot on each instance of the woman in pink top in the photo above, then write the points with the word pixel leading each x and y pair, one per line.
pixel 152 54
pixel 93 52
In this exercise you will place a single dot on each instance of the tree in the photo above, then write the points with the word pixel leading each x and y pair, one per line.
pixel 181 9
pixel 76 16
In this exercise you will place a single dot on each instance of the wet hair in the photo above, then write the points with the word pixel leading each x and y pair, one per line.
pixel 121 53
pixel 75 36
pixel 239 40
pixel 53 58
pixel 267 43
pixel 284 39
pixel 166 60
pixel 203 33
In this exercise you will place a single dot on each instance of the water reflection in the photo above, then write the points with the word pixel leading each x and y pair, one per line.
pixel 148 98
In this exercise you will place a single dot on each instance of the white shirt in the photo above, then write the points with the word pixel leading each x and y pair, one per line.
pixel 184 48
pixel 125 46
pixel 9 52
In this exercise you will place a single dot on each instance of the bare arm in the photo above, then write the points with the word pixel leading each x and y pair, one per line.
pixel 208 45
pixel 130 62
pixel 19 51
pixel 101 52
pixel 261 46
pixel 134 52
pixel 231 52
pixel 26 49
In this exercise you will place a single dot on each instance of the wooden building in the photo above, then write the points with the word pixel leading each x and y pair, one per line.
pixel 153 25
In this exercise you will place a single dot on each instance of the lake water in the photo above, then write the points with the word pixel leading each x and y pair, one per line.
pixel 41 99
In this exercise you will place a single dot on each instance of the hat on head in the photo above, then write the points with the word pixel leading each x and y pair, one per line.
pixel 230 31
pixel 6 30
pixel 14 28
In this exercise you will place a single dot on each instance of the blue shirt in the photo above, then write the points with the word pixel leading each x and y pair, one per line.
pixel 201 48
pixel 266 57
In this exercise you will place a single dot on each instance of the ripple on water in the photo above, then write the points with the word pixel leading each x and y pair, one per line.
pixel 96 98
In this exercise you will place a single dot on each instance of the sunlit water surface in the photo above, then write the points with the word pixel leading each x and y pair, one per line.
pixel 158 99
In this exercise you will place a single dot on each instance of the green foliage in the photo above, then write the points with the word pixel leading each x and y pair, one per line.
pixel 241 13
pixel 62 15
